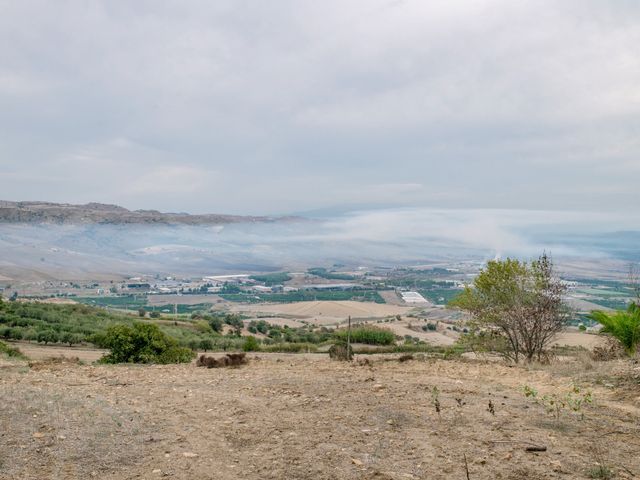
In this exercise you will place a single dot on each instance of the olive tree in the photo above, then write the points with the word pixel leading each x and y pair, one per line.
pixel 517 306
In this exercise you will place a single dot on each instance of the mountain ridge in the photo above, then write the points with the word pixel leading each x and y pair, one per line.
pixel 41 212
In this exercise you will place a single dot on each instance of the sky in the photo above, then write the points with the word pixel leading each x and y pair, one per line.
pixel 254 107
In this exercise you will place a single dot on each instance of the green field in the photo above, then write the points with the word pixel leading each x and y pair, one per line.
pixel 436 295
pixel 271 279
pixel 330 275
pixel 304 296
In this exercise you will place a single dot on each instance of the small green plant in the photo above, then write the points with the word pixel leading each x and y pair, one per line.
pixel 601 472
pixel 555 404
pixel 435 398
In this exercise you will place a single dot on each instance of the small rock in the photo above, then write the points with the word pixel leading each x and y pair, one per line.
pixel 157 470
pixel 357 462
pixel 189 454
pixel 378 387
pixel 38 435
pixel 556 466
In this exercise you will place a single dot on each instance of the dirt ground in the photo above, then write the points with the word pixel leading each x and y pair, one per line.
pixel 305 417
pixel 327 312
pixel 41 352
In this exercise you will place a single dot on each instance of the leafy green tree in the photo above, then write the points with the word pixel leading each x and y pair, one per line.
pixel 143 343
pixel 206 344
pixel 47 336
pixel 622 325
pixel 142 312
pixel 518 302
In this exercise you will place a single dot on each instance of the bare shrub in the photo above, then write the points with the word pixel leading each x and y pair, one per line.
pixel 611 350
pixel 340 351
pixel 229 360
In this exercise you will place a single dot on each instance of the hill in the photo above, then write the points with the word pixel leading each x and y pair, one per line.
pixel 100 213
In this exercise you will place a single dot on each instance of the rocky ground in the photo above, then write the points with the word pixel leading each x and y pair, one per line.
pixel 305 417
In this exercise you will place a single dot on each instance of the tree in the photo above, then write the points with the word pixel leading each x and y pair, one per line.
pixel 206 344
pixel 216 324
pixel 142 312
pixel 143 343
pixel 47 336
pixel 622 325
pixel 516 304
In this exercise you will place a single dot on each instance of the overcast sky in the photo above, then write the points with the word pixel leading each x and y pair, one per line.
pixel 284 106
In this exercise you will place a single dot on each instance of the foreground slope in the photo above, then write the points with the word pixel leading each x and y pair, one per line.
pixel 305 417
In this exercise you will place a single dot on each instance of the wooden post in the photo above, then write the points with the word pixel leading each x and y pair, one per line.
pixel 349 339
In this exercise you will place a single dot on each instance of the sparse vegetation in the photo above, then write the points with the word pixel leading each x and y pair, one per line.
pixel 367 335
pixel 11 352
pixel 555 404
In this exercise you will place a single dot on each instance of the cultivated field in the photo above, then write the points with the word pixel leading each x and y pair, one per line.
pixel 305 417
pixel 327 312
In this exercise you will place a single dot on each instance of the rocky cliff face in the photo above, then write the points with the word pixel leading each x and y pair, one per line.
pixel 99 213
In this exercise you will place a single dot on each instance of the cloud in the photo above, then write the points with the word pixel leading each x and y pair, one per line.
pixel 303 104
pixel 169 180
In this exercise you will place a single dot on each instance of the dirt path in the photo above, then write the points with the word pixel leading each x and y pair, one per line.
pixel 300 417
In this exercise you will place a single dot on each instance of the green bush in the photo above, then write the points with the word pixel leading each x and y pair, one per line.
pixel 367 335
pixel 251 344
pixel 622 325
pixel 143 343
pixel 216 324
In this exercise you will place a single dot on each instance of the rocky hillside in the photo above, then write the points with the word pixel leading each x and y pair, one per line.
pixel 99 213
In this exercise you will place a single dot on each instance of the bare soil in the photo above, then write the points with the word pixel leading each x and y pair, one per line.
pixel 327 312
pixel 305 417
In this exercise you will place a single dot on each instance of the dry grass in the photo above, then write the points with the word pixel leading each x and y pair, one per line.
pixel 305 417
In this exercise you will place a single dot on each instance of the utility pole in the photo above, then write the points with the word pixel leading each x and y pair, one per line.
pixel 349 339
